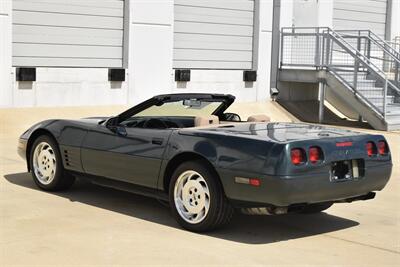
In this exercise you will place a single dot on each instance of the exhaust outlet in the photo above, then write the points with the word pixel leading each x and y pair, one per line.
pixel 265 211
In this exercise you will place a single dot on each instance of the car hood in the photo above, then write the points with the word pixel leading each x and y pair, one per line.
pixel 93 120
pixel 277 131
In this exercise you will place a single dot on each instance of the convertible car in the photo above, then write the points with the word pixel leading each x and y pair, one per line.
pixel 187 150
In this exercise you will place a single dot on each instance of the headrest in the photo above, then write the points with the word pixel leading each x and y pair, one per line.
pixel 259 118
pixel 205 120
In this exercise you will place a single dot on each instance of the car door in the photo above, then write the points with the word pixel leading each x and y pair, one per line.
pixel 131 155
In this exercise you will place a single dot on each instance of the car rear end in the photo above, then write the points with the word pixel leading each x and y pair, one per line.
pixel 333 169
pixel 310 164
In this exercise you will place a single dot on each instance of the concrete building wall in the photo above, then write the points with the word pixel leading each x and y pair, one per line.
pixel 69 87
pixel 151 48
pixel 307 13
pixel 5 53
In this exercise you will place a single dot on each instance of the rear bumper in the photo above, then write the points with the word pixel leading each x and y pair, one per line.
pixel 302 189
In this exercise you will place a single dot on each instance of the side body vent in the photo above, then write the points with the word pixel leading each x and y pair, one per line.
pixel 71 158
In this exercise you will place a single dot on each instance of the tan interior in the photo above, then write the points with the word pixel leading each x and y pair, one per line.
pixel 259 118
pixel 205 120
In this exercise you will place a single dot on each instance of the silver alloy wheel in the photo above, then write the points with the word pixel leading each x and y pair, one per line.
pixel 44 163
pixel 192 197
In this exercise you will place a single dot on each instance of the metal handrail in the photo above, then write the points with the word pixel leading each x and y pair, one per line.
pixel 393 51
pixel 390 58
pixel 354 53
pixel 385 45
pixel 369 62
pixel 361 60
pixel 357 55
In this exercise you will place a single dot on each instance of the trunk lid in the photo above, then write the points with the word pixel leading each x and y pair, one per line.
pixel 281 132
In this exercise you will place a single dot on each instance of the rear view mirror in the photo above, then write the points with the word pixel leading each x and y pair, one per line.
pixel 192 103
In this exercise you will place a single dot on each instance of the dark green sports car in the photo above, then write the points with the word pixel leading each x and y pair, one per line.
pixel 187 150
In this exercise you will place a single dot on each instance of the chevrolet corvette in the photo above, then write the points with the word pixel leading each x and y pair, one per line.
pixel 186 149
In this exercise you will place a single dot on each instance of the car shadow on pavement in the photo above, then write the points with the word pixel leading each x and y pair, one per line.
pixel 242 229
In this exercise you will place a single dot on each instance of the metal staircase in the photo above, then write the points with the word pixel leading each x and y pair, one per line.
pixel 358 68
pixel 379 51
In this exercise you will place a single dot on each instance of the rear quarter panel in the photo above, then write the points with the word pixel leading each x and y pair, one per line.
pixel 224 152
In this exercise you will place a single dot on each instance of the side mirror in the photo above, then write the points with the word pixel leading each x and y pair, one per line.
pixel 113 125
pixel 231 117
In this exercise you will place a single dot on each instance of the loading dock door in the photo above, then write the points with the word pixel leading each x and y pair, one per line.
pixel 213 34
pixel 73 33
pixel 360 15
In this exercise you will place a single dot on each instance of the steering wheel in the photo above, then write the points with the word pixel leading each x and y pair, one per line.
pixel 171 124
pixel 155 124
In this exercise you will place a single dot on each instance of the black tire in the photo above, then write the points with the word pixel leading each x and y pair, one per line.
pixel 62 180
pixel 220 211
pixel 316 208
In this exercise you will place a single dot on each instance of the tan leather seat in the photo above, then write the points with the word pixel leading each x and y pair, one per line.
pixel 205 120
pixel 259 118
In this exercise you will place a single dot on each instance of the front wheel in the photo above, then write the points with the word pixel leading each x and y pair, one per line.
pixel 46 165
pixel 196 198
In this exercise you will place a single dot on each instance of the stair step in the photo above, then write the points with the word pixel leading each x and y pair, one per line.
pixel 393 121
pixel 368 93
pixel 393 127
pixel 379 100
pixel 393 107
pixel 393 112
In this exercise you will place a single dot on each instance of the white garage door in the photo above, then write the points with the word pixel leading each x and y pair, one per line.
pixel 360 15
pixel 68 33
pixel 213 34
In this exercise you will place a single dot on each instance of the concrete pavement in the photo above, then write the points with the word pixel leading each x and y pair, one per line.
pixel 91 225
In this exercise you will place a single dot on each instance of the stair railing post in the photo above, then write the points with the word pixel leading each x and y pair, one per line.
pixel 328 50
pixel 281 55
pixel 323 50
pixel 356 65
pixel 369 45
pixel 355 76
pixel 321 98
pixel 317 49
pixel 384 98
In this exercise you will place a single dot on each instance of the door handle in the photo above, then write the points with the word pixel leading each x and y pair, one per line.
pixel 157 141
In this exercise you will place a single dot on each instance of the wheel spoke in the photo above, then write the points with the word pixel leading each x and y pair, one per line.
pixel 192 197
pixel 44 163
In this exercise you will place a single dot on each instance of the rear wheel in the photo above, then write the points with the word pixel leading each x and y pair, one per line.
pixel 316 208
pixel 46 165
pixel 196 197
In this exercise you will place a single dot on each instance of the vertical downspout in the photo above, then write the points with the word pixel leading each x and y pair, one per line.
pixel 275 47
pixel 388 32
pixel 388 22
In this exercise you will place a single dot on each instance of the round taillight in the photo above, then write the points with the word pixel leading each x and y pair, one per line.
pixel 371 149
pixel 314 154
pixel 298 156
pixel 382 148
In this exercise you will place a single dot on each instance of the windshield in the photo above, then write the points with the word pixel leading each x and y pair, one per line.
pixel 190 108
